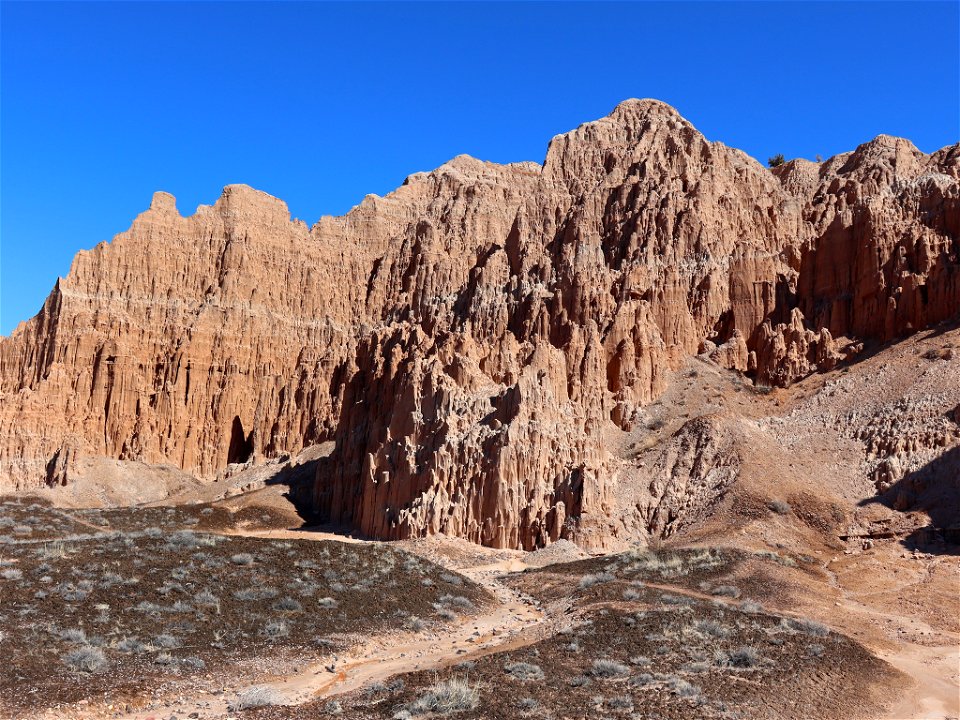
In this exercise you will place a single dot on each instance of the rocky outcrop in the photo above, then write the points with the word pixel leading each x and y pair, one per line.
pixel 470 342
pixel 791 350
pixel 878 257
pixel 688 476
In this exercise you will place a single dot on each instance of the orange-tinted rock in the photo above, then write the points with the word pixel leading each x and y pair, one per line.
pixel 469 341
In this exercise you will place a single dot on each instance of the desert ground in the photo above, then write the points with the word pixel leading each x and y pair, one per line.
pixel 805 597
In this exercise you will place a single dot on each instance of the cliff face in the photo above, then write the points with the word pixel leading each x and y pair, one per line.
pixel 471 341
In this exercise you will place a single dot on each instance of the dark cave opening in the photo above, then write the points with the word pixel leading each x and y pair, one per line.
pixel 241 446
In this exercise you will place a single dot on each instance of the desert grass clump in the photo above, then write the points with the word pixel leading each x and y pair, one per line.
pixel 379 688
pixel 328 603
pixel 275 629
pixel 416 624
pixel 726 591
pixel 784 560
pixel 669 566
pixel 145 606
pixel 180 607
pixel 668 599
pixel 256 697
pixel 260 593
pixel 242 559
pixel 779 507
pixel 288 604
pixel 131 645
pixel 333 707
pixel 642 680
pixel 55 550
pixel 445 614
pixel 743 657
pixel 205 598
pixel 703 559
pixel 110 579
pixel 681 688
pixel 12 574
pixel 605 668
pixel 711 628
pixel 86 659
pixel 166 641
pixel 524 671
pixel 446 698
pixel 594 579
pixel 808 627
pixel 165 659
pixel 180 573
pixel 457 601
pixel 75 636
pixel 181 540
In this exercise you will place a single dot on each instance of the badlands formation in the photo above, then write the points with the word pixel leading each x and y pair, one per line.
pixel 656 431
pixel 484 347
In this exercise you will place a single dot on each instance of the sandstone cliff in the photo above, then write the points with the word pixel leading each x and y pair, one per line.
pixel 472 342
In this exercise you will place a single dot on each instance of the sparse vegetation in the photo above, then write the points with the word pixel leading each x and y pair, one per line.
pixel 86 659
pixel 276 629
pixel 605 668
pixel 524 671
pixel 147 603
pixel 743 657
pixel 712 628
pixel 288 605
pixel 446 698
pixel 726 591
pixel 591 580
pixel 258 696
pixel 775 160
pixel 810 627
pixel 666 654
pixel 779 507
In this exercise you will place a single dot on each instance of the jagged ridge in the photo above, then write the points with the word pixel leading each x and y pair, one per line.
pixel 468 340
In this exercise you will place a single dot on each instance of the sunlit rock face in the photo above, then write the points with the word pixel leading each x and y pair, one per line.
pixel 471 341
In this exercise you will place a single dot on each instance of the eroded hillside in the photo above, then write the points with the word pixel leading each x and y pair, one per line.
pixel 481 345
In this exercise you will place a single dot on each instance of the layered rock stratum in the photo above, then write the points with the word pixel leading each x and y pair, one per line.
pixel 477 344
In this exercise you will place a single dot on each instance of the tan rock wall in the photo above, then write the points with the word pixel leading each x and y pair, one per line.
pixel 469 341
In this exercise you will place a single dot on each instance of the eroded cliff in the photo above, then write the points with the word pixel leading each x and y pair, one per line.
pixel 472 342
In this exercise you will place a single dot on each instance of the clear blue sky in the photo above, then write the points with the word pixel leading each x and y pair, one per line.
pixel 320 104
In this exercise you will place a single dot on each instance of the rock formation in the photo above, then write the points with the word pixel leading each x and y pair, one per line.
pixel 471 341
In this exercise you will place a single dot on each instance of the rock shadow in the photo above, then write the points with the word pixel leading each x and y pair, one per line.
pixel 934 490
pixel 299 480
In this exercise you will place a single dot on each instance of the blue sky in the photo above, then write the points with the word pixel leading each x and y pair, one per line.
pixel 319 104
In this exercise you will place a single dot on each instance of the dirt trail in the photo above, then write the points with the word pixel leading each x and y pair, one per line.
pixel 512 622
pixel 516 620
pixel 934 669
